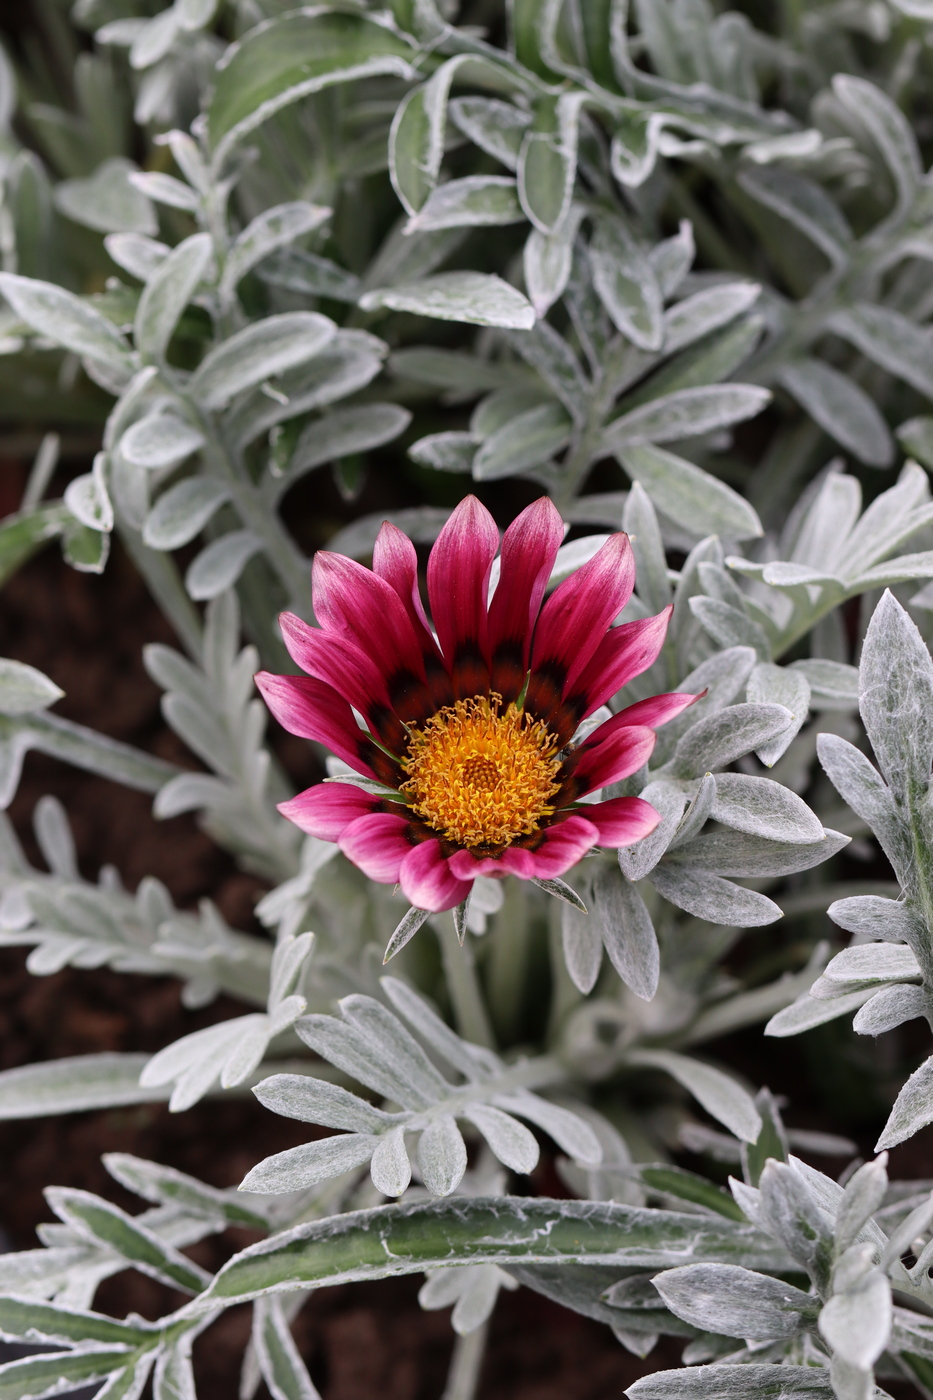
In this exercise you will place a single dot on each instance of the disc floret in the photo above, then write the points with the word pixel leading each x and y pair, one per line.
pixel 481 772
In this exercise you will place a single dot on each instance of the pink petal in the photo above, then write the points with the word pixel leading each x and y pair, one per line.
pixel 618 756
pixel 622 820
pixel 325 810
pixel 625 652
pixel 378 844
pixel 307 707
pixel 458 580
pixel 395 560
pixel 427 880
pixel 656 710
pixel 365 610
pixel 575 617
pixel 564 844
pixel 348 670
pixel 465 865
pixel 519 861
pixel 529 548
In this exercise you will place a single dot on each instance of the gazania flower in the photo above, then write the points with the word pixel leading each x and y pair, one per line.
pixel 466 752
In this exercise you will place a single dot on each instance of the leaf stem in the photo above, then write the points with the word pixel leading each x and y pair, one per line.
pixel 466 1364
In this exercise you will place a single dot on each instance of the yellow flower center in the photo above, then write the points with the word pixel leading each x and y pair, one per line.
pixel 482 775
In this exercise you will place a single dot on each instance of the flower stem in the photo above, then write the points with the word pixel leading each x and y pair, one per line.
pixel 469 1008
pixel 466 1364
pixel 507 968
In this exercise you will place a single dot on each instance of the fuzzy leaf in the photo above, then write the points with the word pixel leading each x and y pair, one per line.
pixel 478 298
pixel 719 1093
pixel 501 1230
pixel 67 320
pixel 168 292
pixel 287 59
pixel 183 511
pixel 764 808
pixel 300 1167
pixel 913 1108
pixel 767 1382
pixel 689 496
pixel 256 353
pixel 735 1301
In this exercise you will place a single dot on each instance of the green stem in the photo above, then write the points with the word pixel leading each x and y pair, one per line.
pixel 470 1012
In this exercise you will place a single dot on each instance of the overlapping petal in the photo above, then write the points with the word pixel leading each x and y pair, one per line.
pixel 364 609
pixel 378 844
pixel 529 548
pixel 601 761
pixel 458 581
pixel 575 617
pixel 656 710
pixel 325 811
pixel 621 655
pixel 313 710
pixel 621 821
pixel 427 879
pixel 349 671
pixel 396 561
pixel 562 845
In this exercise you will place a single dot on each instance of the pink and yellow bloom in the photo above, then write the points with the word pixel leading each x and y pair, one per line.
pixel 469 727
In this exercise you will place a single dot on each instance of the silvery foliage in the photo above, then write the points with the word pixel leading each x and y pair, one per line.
pixel 252 337
pixel 885 974
pixel 849 1241
pixel 373 1045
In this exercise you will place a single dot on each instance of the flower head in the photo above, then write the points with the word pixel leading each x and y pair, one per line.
pixel 469 728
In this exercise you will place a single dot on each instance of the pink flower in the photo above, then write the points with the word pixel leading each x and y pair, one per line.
pixel 470 732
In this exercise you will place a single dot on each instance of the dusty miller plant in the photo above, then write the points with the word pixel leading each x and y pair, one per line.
pixel 255 242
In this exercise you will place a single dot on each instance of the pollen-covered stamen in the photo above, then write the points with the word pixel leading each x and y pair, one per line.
pixel 482 774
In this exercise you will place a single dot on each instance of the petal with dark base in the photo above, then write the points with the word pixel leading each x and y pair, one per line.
pixel 349 671
pixel 575 617
pixel 313 710
pixel 529 548
pixel 357 605
pixel 624 653
pixel 562 846
pixel 597 764
pixel 458 579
